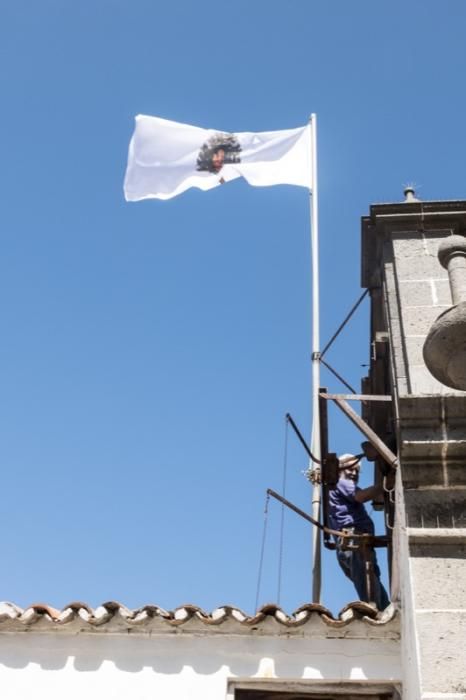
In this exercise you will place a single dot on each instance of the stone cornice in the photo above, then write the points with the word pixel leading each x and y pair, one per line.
pixel 403 216
pixel 436 535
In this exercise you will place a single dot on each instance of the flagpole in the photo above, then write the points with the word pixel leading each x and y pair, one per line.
pixel 315 435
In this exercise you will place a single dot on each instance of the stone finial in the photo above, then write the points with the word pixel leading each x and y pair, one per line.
pixel 452 256
pixel 410 194
pixel 445 346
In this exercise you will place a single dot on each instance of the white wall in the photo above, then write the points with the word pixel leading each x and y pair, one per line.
pixel 47 666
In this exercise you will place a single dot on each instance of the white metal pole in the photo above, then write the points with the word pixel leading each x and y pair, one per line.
pixel 315 439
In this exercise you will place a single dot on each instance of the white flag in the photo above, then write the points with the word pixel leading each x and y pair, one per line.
pixel 166 158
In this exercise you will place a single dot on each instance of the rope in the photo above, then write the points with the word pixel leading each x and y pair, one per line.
pixel 261 558
pixel 282 519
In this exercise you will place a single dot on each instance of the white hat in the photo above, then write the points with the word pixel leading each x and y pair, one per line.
pixel 349 460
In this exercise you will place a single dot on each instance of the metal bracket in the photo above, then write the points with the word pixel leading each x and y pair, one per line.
pixel 357 397
pixel 366 430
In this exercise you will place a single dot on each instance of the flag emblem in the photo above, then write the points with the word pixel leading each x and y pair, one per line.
pixel 219 150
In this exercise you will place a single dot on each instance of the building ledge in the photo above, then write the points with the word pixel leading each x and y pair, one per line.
pixel 436 535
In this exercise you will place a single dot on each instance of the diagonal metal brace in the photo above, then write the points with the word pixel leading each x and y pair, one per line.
pixel 361 424
pixel 362 537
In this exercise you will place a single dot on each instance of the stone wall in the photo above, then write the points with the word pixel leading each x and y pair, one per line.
pixel 410 289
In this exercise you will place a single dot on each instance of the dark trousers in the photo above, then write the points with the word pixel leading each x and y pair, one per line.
pixel 353 565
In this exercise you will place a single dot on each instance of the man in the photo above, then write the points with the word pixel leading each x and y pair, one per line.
pixel 347 513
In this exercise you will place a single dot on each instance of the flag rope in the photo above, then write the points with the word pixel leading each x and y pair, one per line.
pixel 282 516
pixel 262 551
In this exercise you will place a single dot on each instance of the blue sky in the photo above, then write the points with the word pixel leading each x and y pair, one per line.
pixel 150 351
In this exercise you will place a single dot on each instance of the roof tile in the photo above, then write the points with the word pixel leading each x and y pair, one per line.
pixel 113 616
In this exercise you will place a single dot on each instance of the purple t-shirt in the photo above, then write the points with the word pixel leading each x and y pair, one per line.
pixel 344 511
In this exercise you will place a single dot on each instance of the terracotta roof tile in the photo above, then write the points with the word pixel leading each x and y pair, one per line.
pixel 112 616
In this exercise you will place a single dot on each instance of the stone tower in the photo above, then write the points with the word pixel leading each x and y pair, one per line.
pixel 410 288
